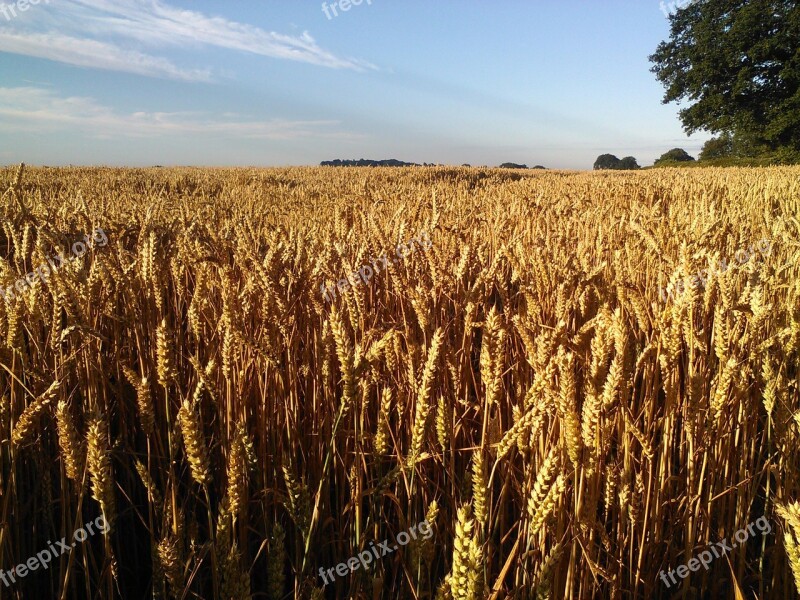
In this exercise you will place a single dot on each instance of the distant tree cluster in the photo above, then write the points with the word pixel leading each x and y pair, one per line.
pixel 718 147
pixel 739 145
pixel 611 162
pixel 362 162
pixel 676 155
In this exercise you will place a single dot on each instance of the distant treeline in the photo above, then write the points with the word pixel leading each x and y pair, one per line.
pixel 516 166
pixel 363 162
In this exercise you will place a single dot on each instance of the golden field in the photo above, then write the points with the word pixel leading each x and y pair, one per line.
pixel 520 384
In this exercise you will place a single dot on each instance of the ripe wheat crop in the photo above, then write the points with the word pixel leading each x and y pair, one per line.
pixel 520 386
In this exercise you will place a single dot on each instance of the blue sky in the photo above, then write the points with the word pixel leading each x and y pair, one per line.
pixel 277 82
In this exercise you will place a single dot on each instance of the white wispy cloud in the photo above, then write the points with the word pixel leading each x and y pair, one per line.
pixel 111 35
pixel 30 109
pixel 154 22
pixel 94 54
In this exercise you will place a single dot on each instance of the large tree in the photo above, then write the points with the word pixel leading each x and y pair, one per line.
pixel 737 63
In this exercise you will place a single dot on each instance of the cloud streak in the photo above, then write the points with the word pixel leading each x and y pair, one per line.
pixel 156 23
pixel 32 109
pixel 95 54
pixel 111 35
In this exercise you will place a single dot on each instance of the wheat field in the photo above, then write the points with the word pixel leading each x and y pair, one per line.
pixel 541 385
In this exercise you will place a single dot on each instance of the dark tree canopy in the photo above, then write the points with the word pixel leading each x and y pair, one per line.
pixel 629 164
pixel 606 161
pixel 609 161
pixel 364 162
pixel 737 62
pixel 675 155
pixel 718 147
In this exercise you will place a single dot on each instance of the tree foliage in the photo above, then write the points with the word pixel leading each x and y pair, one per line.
pixel 606 161
pixel 609 161
pixel 718 147
pixel 629 164
pixel 738 64
pixel 674 155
